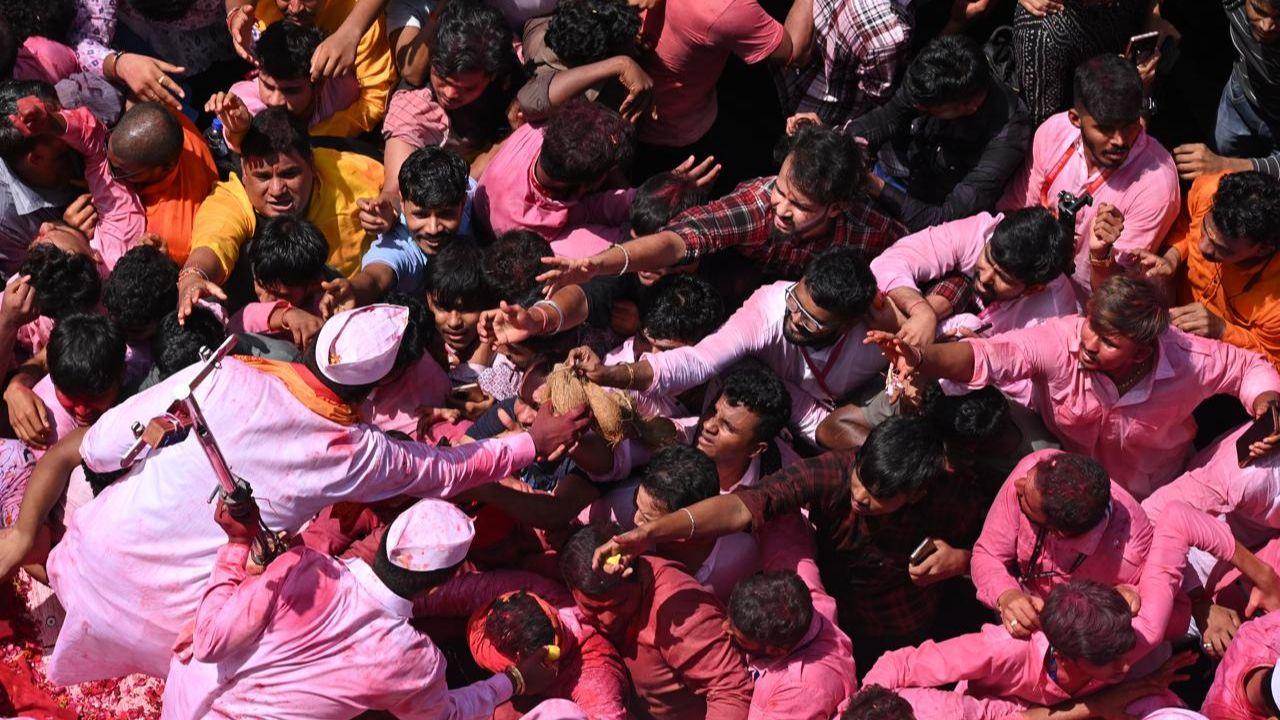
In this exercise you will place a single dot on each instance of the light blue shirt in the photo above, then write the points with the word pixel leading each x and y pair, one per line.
pixel 399 251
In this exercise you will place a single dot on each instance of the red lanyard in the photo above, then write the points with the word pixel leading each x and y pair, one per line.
pixel 821 375
pixel 1091 187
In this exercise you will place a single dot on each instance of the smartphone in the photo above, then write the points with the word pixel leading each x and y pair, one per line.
pixel 1265 426
pixel 1142 47
pixel 464 390
pixel 922 552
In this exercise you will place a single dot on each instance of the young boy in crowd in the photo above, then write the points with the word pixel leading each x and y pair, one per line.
pixel 86 368
pixel 287 257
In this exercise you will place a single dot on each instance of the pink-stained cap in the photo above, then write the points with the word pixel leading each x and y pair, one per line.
pixel 430 535
pixel 358 347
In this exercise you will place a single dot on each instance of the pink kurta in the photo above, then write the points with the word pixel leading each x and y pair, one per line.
pixel 40 58
pixel 812 681
pixel 930 704
pixel 313 638
pixel 1256 645
pixel 816 377
pixel 121 220
pixel 509 197
pixel 1144 188
pixel 1143 439
pixel 994 664
pixel 335 95
pixel 1111 553
pixel 394 406
pixel 956 246
pixel 131 567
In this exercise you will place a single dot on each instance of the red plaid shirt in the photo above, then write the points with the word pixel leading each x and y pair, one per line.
pixel 864 559
pixel 743 220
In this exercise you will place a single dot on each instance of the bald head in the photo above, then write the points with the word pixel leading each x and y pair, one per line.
pixel 148 135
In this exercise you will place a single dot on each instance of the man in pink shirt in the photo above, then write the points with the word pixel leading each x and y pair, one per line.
pixel 132 562
pixel 1017 264
pixel 283 54
pixel 1100 146
pixel 668 629
pixel 1058 518
pixel 809 332
pixel 1089 637
pixel 86 357
pixel 551 178
pixel 1117 384
pixel 314 637
pixel 1246 685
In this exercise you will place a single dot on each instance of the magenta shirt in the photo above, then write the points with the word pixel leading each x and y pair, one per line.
pixel 121 219
pixel 45 60
pixel 1144 188
pixel 1256 645
pixel 1144 438
pixel 336 94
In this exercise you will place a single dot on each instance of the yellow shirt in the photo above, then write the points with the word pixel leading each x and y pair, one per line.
pixel 1247 299
pixel 226 220
pixel 374 70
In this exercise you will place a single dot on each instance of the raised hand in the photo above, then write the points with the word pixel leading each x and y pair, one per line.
pixel 148 79
pixel 703 174
pixel 339 296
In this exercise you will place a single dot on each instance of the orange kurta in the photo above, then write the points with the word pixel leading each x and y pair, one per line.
pixel 1252 315
pixel 171 203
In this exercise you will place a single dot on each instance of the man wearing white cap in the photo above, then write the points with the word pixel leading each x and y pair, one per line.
pixel 131 566
pixel 315 638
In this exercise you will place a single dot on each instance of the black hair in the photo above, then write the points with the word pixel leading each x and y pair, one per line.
pixel 660 199
pixel 433 178
pixel 584 141
pixel 902 456
pixel 407 584
pixel 678 476
pixel 772 608
pixel 1075 492
pixel 418 333
pixel 1089 621
pixel 273 132
pixel 512 264
pixel 874 702
pixel 1107 87
pixel 149 134
pixel 585 31
pixel 13 143
pixel 1031 245
pixel 949 69
pixel 576 559
pixel 285 48
pixel 840 282
pixel 756 387
pixel 162 10
pixel 682 307
pixel 142 288
pixel 1245 207
pixel 973 417
pixel 455 277
pixel 64 282
pixel 827 167
pixel 517 625
pixel 177 345
pixel 86 356
pixel 471 36
pixel 287 251
pixel 50 19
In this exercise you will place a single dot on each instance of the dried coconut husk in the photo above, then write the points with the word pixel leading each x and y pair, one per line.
pixel 613 413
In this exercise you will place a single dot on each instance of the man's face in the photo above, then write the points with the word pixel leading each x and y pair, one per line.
pixel 302 12
pixel 86 411
pixel 647 508
pixel 992 283
pixel 864 503
pixel 1029 499
pixel 297 96
pixel 278 185
pixel 135 175
pixel 1107 146
pixel 430 227
pixel 806 324
pixel 49 164
pixel 1264 20
pixel 729 432
pixel 459 90
pixel 1218 248
pixel 65 238
pixel 458 326
pixel 1108 353
pixel 794 213
pixel 295 295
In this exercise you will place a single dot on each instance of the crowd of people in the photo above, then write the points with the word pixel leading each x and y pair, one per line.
pixel 670 359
